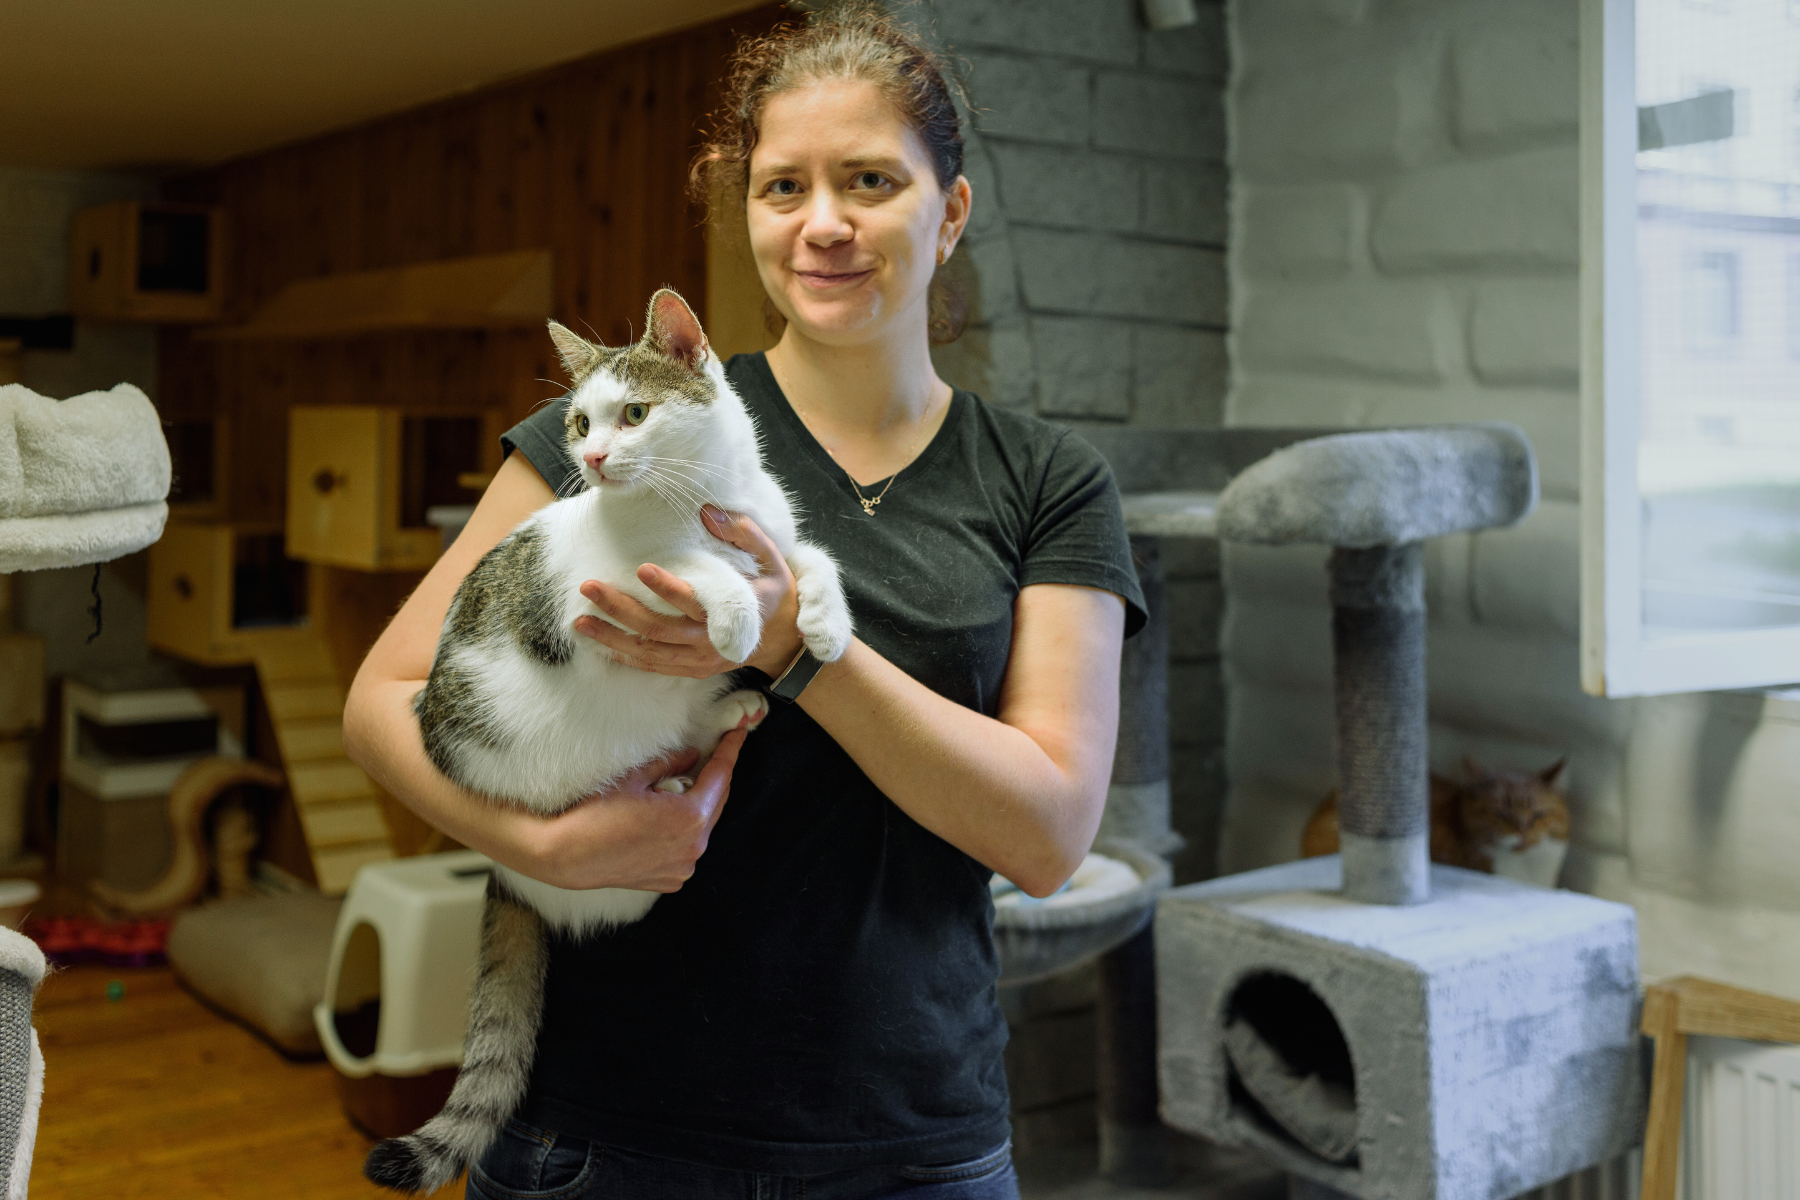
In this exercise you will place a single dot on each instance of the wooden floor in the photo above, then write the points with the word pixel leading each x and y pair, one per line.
pixel 154 1096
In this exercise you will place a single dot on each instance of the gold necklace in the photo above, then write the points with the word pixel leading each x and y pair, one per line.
pixel 869 502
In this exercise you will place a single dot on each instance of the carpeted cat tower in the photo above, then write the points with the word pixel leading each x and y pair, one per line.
pixel 1380 1026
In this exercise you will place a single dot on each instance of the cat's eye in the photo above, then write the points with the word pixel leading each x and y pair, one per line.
pixel 581 426
pixel 635 413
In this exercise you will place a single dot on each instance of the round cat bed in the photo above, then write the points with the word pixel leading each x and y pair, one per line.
pixel 261 959
pixel 1111 896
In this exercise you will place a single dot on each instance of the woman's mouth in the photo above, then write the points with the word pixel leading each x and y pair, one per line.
pixel 825 280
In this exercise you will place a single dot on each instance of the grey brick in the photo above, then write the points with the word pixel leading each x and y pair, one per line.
pixel 1302 232
pixel 1511 213
pixel 1091 273
pixel 1152 114
pixel 1348 102
pixel 1051 185
pixel 1041 99
pixel 1013 371
pixel 987 218
pixel 967 362
pixel 1526 331
pixel 1375 329
pixel 1179 376
pixel 1196 606
pixel 1050 1060
pixel 1200 49
pixel 1517 82
pixel 1083 367
pixel 1196 704
pixel 996 274
pixel 1185 201
pixel 1101 30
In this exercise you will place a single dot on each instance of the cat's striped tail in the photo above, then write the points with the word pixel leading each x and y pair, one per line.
pixel 504 1011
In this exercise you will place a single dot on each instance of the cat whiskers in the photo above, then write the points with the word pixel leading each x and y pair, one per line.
pixel 675 487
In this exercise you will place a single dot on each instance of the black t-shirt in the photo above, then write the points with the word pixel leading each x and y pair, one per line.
pixel 820 995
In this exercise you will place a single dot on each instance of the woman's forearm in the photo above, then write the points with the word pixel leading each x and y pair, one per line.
pixel 1021 793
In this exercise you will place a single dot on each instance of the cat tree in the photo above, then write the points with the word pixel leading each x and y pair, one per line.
pixel 1380 1026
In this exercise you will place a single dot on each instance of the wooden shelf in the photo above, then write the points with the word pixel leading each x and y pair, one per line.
pixel 485 292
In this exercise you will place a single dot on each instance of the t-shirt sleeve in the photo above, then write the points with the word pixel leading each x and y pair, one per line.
pixel 1077 533
pixel 539 438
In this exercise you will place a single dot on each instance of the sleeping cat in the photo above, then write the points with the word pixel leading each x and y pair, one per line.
pixel 1512 823
pixel 520 708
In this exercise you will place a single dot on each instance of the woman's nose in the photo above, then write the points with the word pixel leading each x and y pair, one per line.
pixel 825 224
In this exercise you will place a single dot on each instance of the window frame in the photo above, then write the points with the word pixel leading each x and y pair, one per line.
pixel 1616 660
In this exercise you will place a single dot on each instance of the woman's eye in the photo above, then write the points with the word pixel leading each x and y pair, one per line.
pixel 581 426
pixel 870 179
pixel 635 413
pixel 784 187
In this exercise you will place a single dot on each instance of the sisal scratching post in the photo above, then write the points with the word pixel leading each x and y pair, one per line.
pixel 1378 643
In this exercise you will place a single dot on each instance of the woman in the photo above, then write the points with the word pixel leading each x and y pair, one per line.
pixel 811 1008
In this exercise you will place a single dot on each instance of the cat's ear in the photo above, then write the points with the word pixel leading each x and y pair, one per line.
pixel 1552 775
pixel 674 330
pixel 578 354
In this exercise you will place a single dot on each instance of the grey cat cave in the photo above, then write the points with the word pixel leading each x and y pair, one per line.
pixel 1377 1025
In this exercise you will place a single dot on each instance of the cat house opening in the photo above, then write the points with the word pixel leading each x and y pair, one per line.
pixel 356 1007
pixel 267 587
pixel 436 453
pixel 1290 1069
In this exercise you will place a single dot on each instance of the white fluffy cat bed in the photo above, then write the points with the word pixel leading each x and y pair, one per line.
pixel 82 480
pixel 1110 897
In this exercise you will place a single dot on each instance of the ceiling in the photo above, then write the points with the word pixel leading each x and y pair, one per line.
pixel 165 85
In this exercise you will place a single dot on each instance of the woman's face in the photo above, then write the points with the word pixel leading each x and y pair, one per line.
pixel 845 212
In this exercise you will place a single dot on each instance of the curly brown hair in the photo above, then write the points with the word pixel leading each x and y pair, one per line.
pixel 850 39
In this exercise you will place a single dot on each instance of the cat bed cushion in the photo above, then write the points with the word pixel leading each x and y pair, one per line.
pixel 261 959
pixel 82 480
pixel 1383 488
pixel 1321 1115
pixel 22 969
pixel 1111 896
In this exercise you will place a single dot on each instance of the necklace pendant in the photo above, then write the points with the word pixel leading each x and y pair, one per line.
pixel 869 505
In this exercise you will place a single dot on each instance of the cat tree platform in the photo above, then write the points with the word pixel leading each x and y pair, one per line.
pixel 1469 1048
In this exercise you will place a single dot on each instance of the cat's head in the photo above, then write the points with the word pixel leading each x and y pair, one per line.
pixel 637 413
pixel 1513 801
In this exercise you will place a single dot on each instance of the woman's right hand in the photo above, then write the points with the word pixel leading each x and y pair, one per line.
pixel 634 836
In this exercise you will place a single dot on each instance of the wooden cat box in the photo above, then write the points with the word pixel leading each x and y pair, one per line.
pixel 148 260
pixel 219 591
pixel 361 480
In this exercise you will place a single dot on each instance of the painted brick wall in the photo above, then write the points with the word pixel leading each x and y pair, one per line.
pixel 1404 249
pixel 1096 259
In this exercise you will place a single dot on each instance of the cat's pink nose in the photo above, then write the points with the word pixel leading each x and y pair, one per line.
pixel 596 460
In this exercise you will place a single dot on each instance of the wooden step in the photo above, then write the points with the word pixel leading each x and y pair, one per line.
pixel 332 825
pixel 311 740
pixel 304 701
pixel 337 866
pixel 328 781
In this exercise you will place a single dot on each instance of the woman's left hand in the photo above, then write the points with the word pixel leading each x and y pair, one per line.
pixel 678 645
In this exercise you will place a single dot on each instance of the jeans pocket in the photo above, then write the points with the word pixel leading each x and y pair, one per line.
pixel 528 1163
pixel 982 1165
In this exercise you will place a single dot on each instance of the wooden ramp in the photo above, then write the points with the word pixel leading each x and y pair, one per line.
pixel 339 806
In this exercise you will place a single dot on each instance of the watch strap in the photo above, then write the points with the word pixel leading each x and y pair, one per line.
pixel 788 686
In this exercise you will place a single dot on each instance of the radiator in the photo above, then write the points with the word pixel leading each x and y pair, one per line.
pixel 1740 1137
pixel 1616 1180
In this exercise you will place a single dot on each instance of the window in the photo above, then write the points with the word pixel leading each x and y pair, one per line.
pixel 1691 346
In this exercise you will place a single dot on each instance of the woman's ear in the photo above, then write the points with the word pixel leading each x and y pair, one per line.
pixel 958 200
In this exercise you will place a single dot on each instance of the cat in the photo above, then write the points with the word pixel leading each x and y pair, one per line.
pixel 1513 823
pixel 520 708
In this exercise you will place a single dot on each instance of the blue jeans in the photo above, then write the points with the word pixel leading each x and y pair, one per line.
pixel 528 1163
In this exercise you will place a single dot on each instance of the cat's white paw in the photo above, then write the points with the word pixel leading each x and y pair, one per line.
pixel 734 630
pixel 824 618
pixel 734 708
pixel 678 784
